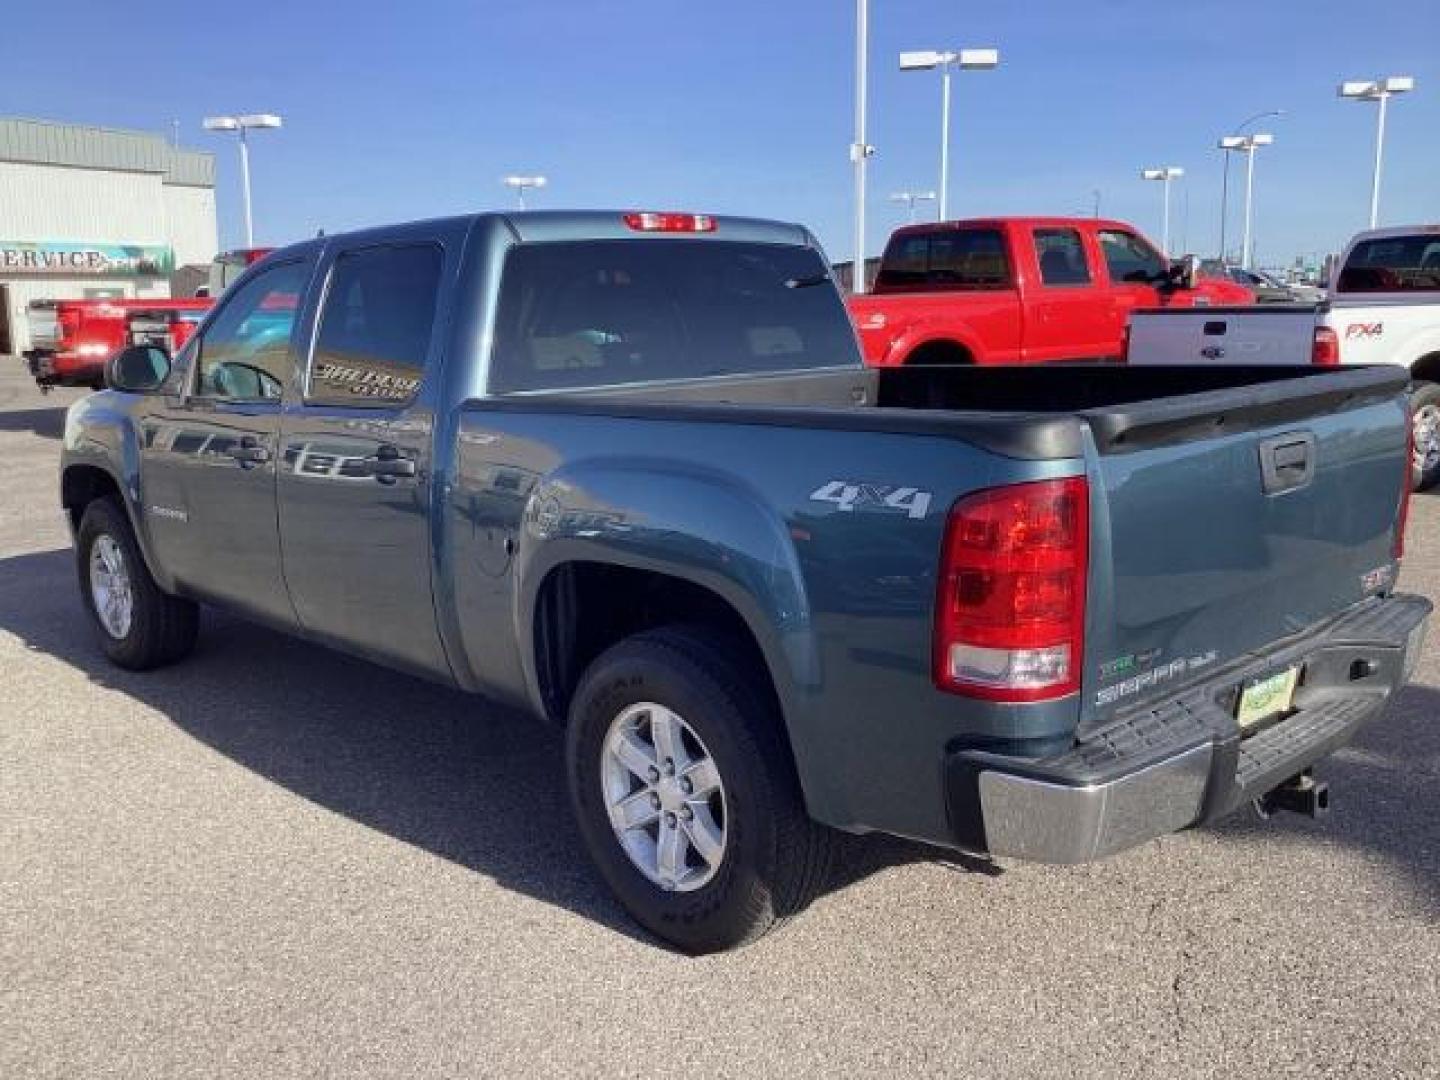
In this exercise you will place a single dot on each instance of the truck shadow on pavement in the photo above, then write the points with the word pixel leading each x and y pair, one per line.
pixel 47 423
pixel 448 772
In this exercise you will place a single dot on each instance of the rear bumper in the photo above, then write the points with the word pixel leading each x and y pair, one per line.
pixel 50 368
pixel 1166 766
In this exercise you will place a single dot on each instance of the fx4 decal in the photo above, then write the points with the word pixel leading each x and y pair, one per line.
pixel 853 495
pixel 1360 329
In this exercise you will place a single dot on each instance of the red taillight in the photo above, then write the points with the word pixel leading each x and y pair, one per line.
pixel 1010 605
pixel 1402 515
pixel 1325 348
pixel 651 221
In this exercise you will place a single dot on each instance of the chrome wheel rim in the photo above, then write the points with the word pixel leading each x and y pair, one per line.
pixel 1426 425
pixel 110 587
pixel 665 798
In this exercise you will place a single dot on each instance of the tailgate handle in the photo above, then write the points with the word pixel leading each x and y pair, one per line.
pixel 1215 328
pixel 1287 462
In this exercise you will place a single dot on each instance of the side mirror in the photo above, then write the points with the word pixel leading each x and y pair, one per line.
pixel 1185 272
pixel 140 369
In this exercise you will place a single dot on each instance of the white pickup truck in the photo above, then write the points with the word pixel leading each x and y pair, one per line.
pixel 1383 307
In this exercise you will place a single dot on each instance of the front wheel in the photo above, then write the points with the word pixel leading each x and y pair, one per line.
pixel 1425 435
pixel 685 793
pixel 141 626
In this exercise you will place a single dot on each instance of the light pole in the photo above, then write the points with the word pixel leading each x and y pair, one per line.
pixel 910 198
pixel 1225 177
pixel 965 60
pixel 860 150
pixel 1164 175
pixel 1380 90
pixel 1247 145
pixel 244 124
pixel 522 184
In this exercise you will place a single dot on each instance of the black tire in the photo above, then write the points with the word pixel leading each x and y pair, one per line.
pixel 162 627
pixel 776 858
pixel 1424 411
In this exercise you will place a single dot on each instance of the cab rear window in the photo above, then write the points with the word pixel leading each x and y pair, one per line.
pixel 946 259
pixel 1393 264
pixel 606 313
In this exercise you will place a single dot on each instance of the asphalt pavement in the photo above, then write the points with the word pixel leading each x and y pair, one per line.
pixel 276 861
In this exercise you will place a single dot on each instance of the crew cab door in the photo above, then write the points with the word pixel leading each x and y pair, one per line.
pixel 355 470
pixel 209 454
pixel 1068 314
pixel 1133 270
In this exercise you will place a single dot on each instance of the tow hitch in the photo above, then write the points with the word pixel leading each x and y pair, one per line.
pixel 1301 794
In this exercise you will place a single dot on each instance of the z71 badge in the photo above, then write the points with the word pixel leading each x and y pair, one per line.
pixel 851 495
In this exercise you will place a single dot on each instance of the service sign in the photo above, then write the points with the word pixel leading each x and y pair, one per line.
pixel 98 260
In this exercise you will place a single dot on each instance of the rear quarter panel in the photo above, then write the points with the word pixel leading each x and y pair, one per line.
pixel 839 600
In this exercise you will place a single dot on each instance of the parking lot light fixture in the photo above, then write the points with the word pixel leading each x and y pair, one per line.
pixel 522 184
pixel 948 61
pixel 910 198
pixel 1165 175
pixel 1380 91
pixel 243 124
pixel 1247 145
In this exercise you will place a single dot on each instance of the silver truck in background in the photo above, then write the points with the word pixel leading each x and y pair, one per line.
pixel 1383 307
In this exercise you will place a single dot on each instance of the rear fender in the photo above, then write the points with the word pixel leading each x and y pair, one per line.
pixel 698 524
pixel 931 332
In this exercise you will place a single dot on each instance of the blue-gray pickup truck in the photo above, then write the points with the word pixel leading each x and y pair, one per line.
pixel 628 471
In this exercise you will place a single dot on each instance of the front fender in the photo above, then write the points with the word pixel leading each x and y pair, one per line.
pixel 701 525
pixel 100 434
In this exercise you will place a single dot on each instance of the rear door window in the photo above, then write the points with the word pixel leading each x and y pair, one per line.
pixel 946 259
pixel 376 326
pixel 602 313
pixel 1393 264
pixel 1062 257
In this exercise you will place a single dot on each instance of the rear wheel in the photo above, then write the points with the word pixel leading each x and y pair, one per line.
pixel 140 625
pixel 1425 433
pixel 685 793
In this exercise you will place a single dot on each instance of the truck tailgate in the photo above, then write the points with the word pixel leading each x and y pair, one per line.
pixel 1233 519
pixel 1257 334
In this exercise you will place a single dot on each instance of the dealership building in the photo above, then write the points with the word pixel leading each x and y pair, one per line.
pixel 89 212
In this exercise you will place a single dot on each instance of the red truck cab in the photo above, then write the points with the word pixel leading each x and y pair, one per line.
pixel 1017 290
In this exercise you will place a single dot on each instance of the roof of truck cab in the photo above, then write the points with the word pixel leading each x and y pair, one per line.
pixel 528 226
pixel 1015 222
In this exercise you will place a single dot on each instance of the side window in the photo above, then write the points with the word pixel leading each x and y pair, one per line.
pixel 1130 259
pixel 1062 257
pixel 376 326
pixel 245 354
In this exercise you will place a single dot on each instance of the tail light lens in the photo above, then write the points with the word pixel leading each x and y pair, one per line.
pixel 1125 345
pixel 1010 606
pixel 1402 515
pixel 1325 348
pixel 650 221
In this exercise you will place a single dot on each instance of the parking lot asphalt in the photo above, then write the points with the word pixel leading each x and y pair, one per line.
pixel 273 860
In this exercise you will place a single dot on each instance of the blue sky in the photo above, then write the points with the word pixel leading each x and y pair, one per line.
pixel 397 111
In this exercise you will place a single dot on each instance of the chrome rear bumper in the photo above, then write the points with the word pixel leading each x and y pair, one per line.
pixel 1174 764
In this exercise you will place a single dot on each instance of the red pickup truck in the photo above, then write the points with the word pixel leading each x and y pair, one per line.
pixel 1019 290
pixel 70 340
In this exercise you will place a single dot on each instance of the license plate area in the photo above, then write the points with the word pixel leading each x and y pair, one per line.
pixel 1266 698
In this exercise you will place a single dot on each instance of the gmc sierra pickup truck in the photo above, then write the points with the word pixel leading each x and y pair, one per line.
pixel 628 471
pixel 1020 291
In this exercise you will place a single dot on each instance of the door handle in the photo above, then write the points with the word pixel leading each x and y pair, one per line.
pixel 386 464
pixel 248 452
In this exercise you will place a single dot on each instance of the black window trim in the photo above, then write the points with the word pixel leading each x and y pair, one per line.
pixel 332 259
pixel 190 389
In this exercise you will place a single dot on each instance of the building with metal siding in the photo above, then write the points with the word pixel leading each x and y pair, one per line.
pixel 92 212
